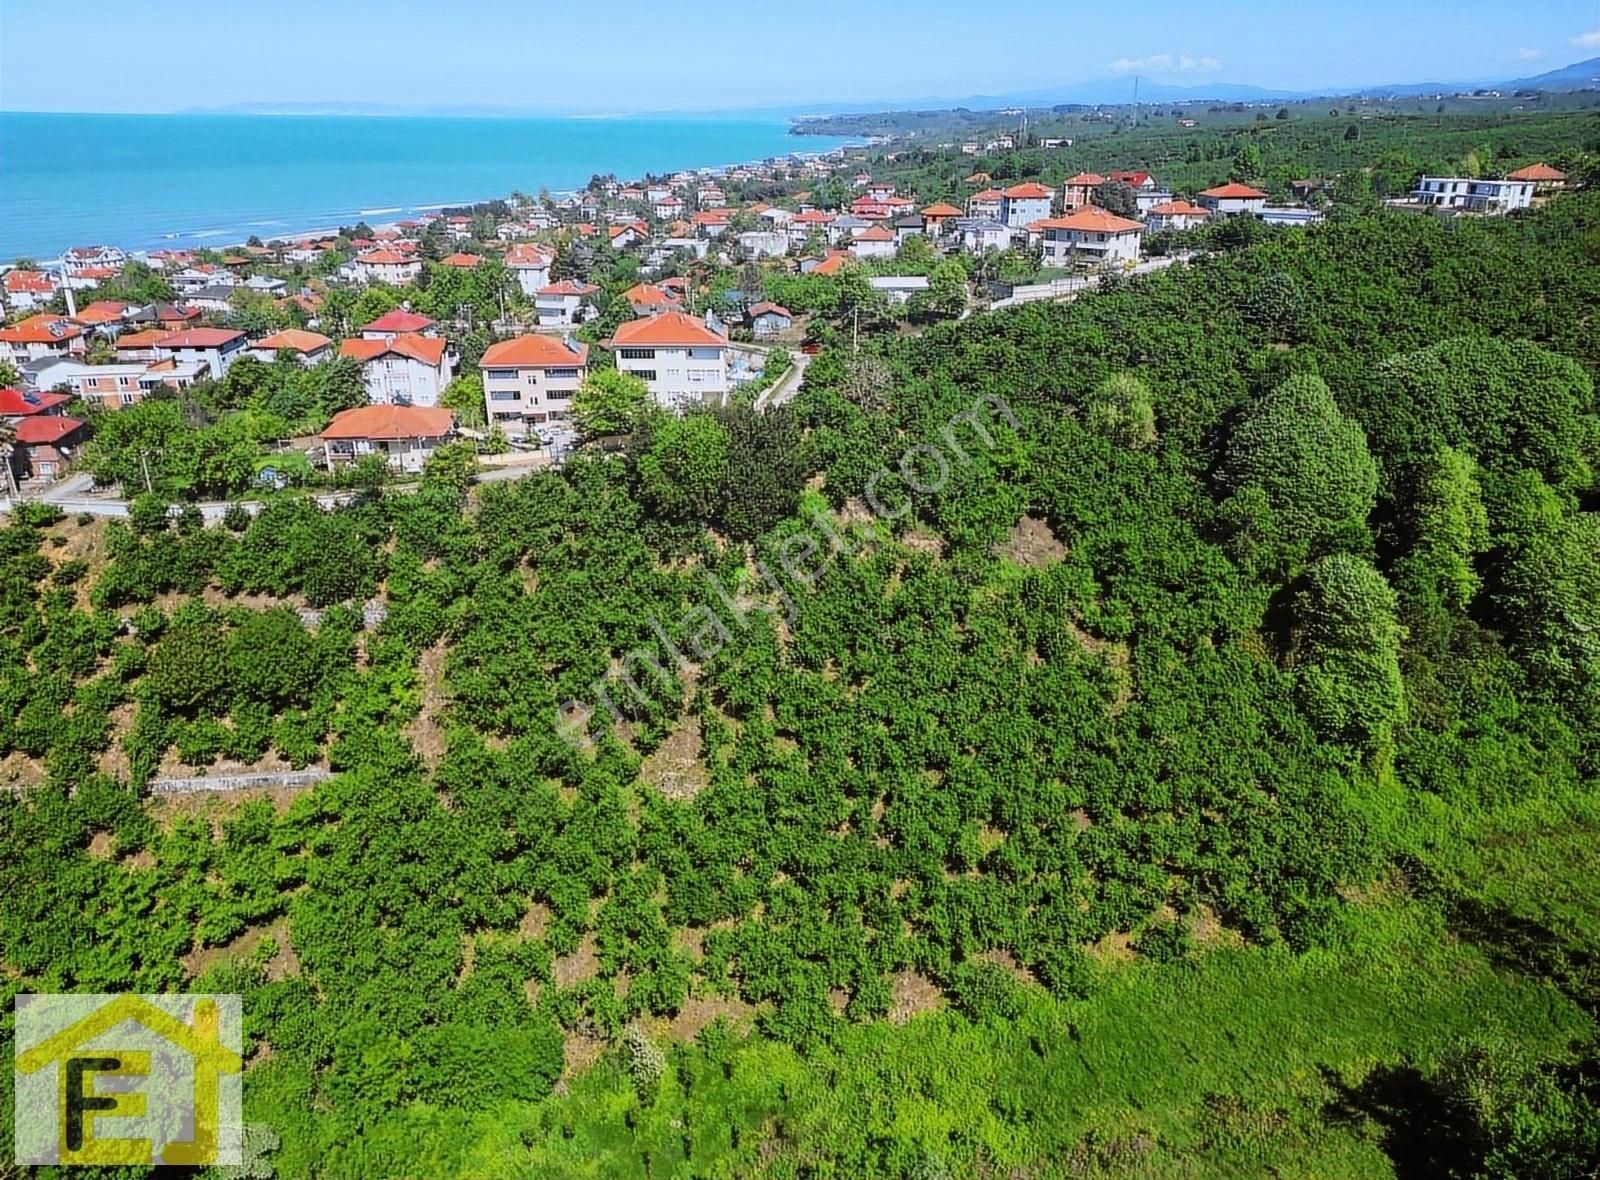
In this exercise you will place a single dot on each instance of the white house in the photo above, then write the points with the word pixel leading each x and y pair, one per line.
pixel 1023 204
pixel 768 319
pixel 1175 215
pixel 387 266
pixel 987 205
pixel 982 233
pixel 309 348
pixel 404 435
pixel 764 243
pixel 402 321
pixel 681 360
pixel 1291 215
pixel 407 370
pixel 1228 199
pixel 82 258
pixel 1090 234
pixel 1480 196
pixel 28 290
pixel 876 242
pixel 216 348
pixel 563 304
pixel 531 379
pixel 530 265
pixel 899 288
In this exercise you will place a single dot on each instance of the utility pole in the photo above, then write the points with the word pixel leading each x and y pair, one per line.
pixel 145 467
pixel 1136 100
pixel 855 328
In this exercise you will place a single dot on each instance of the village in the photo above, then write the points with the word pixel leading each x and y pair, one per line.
pixel 703 285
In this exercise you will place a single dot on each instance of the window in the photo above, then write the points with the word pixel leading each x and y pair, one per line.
pixel 562 374
pixel 637 354
pixel 501 374
pixel 503 395
pixel 644 374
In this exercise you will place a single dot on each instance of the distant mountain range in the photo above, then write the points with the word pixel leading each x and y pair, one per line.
pixel 1582 75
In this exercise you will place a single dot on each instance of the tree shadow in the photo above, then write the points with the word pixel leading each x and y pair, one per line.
pixel 1530 948
pixel 1423 1136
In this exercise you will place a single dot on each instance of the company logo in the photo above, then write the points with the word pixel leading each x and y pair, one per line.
pixel 128 1080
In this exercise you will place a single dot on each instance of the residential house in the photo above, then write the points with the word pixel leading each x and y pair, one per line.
pixel 140 346
pixel 1024 203
pixel 402 321
pixel 939 217
pixel 461 261
pixel 81 258
pixel 530 266
pixel 42 445
pixel 876 242
pixel 47 372
pixel 89 277
pixel 806 223
pixel 712 198
pixel 215 348
pixel 712 224
pixel 1175 215
pixel 41 335
pixel 1290 215
pixel 1545 178
pixel 403 370
pixel 564 304
pixel 169 317
pixel 214 297
pixel 846 225
pixel 764 243
pixel 28 290
pixel 649 299
pixel 266 285
pixel 909 226
pixel 104 316
pixel 1090 234
pixel 983 233
pixel 987 205
pixel 1140 182
pixel 1229 199
pixel 387 266
pixel 898 289
pixel 632 234
pixel 768 319
pixel 404 435
pixel 668 208
pixel 1078 191
pixel 831 265
pixel 1477 196
pixel 530 379
pixel 309 348
pixel 110 386
pixel 680 359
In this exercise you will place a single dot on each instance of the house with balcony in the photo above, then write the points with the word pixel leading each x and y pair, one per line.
pixel 386 266
pixel 1025 203
pixel 1078 191
pixel 1227 200
pixel 682 361
pixel 406 370
pixel 309 348
pixel 530 266
pixel 1090 235
pixel 215 348
pixel 1175 215
pixel 41 335
pixel 565 304
pixel 531 379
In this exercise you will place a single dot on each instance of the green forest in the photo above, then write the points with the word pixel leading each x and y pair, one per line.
pixel 1151 735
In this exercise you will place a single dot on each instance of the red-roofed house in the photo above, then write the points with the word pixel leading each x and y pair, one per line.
pixel 768 319
pixel 1090 234
pixel 43 444
pixel 216 348
pixel 938 217
pixel 711 223
pixel 404 435
pixel 623 236
pixel 531 379
pixel 1077 191
pixel 832 264
pixel 1140 182
pixel 26 290
pixel 387 266
pixel 460 261
pixel 1175 215
pixel 986 204
pixel 681 361
pixel 405 370
pixel 1024 203
pixel 1233 198
pixel 402 321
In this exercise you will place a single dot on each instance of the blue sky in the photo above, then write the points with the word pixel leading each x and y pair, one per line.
pixel 624 56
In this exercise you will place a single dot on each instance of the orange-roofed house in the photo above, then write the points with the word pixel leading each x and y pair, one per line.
pixel 1077 191
pixel 404 435
pixel 104 314
pixel 43 444
pixel 460 261
pixel 649 299
pixel 1545 178
pixel 1089 235
pixel 530 265
pixel 140 346
pixel 939 217
pixel 309 348
pixel 681 360
pixel 1229 199
pixel 408 370
pixel 530 379
pixel 832 264
pixel 986 204
pixel 873 242
pixel 1025 202
pixel 1175 215
pixel 41 335
pixel 624 236
pixel 712 223
pixel 387 266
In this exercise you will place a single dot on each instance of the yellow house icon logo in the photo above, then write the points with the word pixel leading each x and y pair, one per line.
pixel 128 1080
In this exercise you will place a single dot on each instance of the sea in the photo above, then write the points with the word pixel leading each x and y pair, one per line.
pixel 148 182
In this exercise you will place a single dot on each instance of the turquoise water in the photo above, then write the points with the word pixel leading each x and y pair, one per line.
pixel 144 182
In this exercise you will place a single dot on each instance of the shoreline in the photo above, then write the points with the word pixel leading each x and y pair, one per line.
pixel 392 212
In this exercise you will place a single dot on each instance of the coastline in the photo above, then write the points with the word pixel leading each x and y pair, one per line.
pixel 217 200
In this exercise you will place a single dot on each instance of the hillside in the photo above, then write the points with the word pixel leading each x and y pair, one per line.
pixel 1149 735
